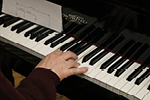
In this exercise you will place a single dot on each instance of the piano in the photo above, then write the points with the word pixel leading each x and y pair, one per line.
pixel 118 62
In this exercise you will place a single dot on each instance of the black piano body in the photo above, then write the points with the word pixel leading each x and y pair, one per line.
pixel 93 13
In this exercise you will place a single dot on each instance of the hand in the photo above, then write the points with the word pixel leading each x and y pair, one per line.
pixel 119 18
pixel 62 63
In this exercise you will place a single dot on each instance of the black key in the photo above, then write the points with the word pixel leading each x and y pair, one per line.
pixel 121 51
pixel 78 52
pixel 94 36
pixel 76 46
pixel 76 29
pixel 142 77
pixel 99 36
pixel 124 68
pixel 109 40
pixel 89 35
pixel 32 31
pixel 140 51
pixel 136 72
pixel 70 27
pixel 4 18
pixel 116 65
pixel 53 38
pixel 86 32
pixel 35 34
pixel 18 25
pixel 98 57
pixel 133 49
pixel 116 42
pixel 109 61
pixel 126 46
pixel 148 87
pixel 67 45
pixel 90 38
pixel 64 21
pixel 42 36
pixel 9 22
pixel 24 27
pixel 91 54
pixel 59 41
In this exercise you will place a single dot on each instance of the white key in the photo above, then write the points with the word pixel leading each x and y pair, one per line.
pixel 40 44
pixel 32 43
pixel 105 79
pixel 42 49
pixel 95 65
pixel 136 88
pixel 97 69
pixel 81 58
pixel 103 74
pixel 10 26
pixel 7 33
pixel 21 39
pixel 129 85
pixel 146 97
pixel 86 64
pixel 143 91
pixel 113 81
pixel 87 50
pixel 124 83
pixel 49 50
pixel 101 61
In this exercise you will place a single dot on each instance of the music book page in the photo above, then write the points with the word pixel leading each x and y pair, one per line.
pixel 42 12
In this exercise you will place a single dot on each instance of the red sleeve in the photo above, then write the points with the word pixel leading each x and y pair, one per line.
pixel 39 85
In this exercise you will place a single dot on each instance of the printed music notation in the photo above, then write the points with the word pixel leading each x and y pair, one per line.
pixel 32 14
pixel 42 12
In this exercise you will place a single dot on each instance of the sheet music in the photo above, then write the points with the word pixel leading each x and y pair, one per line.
pixel 41 12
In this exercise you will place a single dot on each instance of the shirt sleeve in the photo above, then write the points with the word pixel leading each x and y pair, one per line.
pixel 39 85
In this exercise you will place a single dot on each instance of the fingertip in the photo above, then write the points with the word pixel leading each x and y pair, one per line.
pixel 84 69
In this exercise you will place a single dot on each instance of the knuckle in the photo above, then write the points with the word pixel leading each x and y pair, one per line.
pixel 72 63
pixel 60 51
pixel 70 53
pixel 51 54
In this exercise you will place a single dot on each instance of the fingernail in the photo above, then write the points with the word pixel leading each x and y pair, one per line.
pixel 86 68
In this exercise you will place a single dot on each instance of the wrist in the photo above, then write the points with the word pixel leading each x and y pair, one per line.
pixel 45 74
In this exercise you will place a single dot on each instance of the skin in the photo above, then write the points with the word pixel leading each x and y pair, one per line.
pixel 62 63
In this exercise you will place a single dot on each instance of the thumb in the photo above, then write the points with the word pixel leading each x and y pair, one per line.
pixel 74 71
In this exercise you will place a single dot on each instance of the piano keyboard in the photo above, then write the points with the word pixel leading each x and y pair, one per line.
pixel 106 69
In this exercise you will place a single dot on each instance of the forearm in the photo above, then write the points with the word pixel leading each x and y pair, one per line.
pixel 39 85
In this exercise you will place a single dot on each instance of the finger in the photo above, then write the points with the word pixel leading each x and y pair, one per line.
pixel 58 52
pixel 72 64
pixel 69 55
pixel 74 71
pixel 49 57
pixel 54 54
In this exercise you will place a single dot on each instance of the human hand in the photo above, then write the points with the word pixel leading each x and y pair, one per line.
pixel 119 18
pixel 62 63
